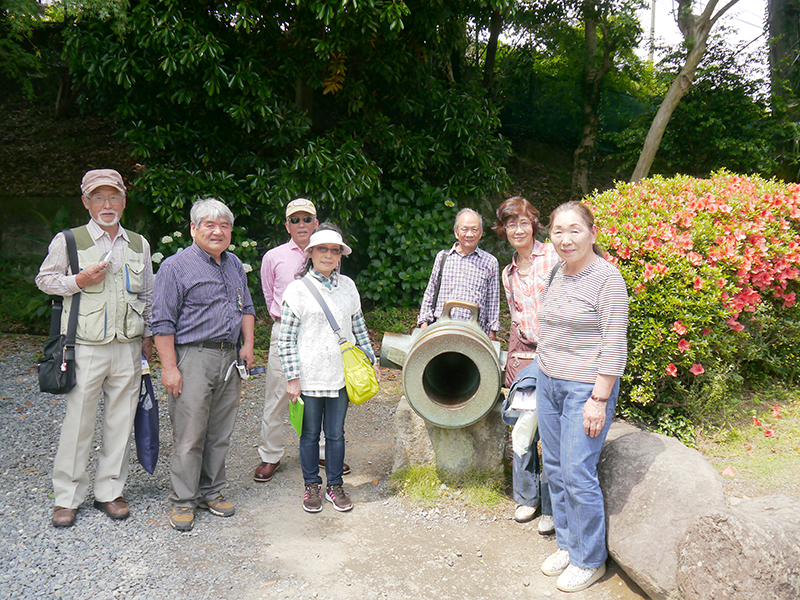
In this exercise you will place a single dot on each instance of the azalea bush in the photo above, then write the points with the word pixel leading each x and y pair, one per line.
pixel 712 272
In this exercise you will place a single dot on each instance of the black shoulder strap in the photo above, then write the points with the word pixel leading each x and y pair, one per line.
pixel 439 281
pixel 315 292
pixel 556 267
pixel 55 320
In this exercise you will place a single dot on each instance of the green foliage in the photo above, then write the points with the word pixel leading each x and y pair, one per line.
pixel 258 103
pixel 404 230
pixel 23 307
pixel 428 485
pixel 392 319
pixel 723 121
pixel 712 269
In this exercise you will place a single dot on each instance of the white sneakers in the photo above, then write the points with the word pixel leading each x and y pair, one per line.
pixel 570 577
pixel 523 514
pixel 575 579
pixel 556 563
pixel 546 525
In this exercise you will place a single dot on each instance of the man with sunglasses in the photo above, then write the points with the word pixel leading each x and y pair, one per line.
pixel 278 268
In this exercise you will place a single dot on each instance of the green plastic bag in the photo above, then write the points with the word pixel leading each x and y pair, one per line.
pixel 359 375
pixel 296 415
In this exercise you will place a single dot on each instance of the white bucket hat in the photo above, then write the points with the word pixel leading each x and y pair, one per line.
pixel 327 237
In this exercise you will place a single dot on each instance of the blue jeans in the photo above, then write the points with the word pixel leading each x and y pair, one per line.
pixel 570 461
pixel 525 472
pixel 330 413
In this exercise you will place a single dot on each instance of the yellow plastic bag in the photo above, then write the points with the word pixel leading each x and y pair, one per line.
pixel 359 375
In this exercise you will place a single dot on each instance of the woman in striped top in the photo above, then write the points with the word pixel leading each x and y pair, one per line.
pixel 583 325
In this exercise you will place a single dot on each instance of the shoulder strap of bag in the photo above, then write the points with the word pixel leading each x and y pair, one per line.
pixel 315 292
pixel 439 280
pixel 72 325
pixel 511 292
pixel 556 267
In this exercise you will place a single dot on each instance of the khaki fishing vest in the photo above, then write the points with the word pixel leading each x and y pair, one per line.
pixel 110 308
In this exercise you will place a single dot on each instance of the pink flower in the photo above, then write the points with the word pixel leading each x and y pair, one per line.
pixel 756 422
pixel 683 345
pixel 776 411
pixel 734 324
pixel 672 370
pixel 706 331
pixel 697 369
pixel 769 432
pixel 698 284
pixel 679 328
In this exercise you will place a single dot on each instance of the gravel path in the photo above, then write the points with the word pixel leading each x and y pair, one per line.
pixel 386 547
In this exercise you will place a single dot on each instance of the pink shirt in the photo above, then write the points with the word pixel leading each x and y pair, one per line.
pixel 277 271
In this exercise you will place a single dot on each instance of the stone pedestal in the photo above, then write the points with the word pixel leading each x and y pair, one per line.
pixel 478 447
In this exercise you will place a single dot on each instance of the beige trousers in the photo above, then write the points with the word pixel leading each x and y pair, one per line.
pixel 275 403
pixel 115 370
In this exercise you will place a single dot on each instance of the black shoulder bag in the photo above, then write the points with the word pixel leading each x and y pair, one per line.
pixel 57 366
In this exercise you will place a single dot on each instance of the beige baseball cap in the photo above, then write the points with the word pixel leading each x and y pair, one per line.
pixel 97 177
pixel 300 205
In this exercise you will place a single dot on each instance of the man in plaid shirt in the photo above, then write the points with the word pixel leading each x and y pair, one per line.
pixel 468 274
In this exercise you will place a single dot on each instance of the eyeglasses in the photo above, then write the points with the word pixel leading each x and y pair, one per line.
pixel 296 220
pixel 520 225
pixel 336 250
pixel 211 226
pixel 101 200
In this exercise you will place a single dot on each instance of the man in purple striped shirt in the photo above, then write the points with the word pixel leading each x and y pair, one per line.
pixel 201 309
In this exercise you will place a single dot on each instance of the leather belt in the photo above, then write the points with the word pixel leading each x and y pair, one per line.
pixel 213 345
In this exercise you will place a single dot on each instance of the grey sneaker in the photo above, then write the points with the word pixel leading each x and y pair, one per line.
pixel 336 495
pixel 312 499
pixel 547 526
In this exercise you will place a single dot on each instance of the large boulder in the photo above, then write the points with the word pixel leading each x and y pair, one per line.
pixel 748 551
pixel 654 489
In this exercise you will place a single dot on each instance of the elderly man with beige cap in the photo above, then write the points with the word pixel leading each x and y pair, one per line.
pixel 115 283
pixel 278 270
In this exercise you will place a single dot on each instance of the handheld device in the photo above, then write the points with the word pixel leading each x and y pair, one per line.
pixel 107 257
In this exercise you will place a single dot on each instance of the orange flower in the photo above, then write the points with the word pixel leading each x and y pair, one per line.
pixel 683 345
pixel 776 411
pixel 769 432
pixel 672 370
pixel 697 369
pixel 756 422
pixel 679 328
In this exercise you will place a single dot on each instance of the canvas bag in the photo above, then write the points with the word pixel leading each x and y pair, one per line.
pixel 359 375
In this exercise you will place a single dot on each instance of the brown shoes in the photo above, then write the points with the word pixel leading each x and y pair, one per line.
pixel 117 509
pixel 265 471
pixel 64 517
pixel 345 467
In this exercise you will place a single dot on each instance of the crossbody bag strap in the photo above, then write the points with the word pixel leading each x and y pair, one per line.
pixel 72 325
pixel 511 292
pixel 439 281
pixel 556 267
pixel 315 292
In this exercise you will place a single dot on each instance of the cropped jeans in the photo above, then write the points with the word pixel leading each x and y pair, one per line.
pixel 570 459
pixel 327 413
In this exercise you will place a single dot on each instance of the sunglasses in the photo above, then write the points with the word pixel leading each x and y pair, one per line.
pixel 325 249
pixel 296 220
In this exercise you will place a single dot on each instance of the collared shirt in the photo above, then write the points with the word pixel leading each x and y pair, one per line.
pixel 290 326
pixel 471 278
pixel 55 275
pixel 529 290
pixel 278 268
pixel 198 300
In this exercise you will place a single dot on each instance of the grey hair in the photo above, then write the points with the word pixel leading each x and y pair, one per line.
pixel 465 211
pixel 210 208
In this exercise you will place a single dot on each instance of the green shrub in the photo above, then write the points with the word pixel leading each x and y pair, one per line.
pixel 404 229
pixel 712 271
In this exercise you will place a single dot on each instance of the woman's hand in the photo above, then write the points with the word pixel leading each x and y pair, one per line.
pixel 377 372
pixel 293 389
pixel 594 417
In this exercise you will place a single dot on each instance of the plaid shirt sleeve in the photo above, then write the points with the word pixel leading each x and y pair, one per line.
pixel 287 343
pixel 362 335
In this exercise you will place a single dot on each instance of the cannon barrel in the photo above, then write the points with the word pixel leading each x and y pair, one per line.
pixel 451 369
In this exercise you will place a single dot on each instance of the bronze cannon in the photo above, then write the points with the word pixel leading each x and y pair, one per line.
pixel 452 371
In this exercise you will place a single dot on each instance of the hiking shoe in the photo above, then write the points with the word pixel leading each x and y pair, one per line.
pixel 182 518
pixel 312 499
pixel 575 579
pixel 556 563
pixel 336 495
pixel 547 526
pixel 523 514
pixel 219 507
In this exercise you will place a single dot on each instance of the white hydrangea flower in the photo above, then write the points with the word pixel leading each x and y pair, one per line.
pixel 177 234
pixel 166 240
pixel 247 268
pixel 231 248
pixel 158 257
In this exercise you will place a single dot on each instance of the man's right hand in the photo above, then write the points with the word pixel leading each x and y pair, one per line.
pixel 172 380
pixel 423 325
pixel 293 389
pixel 92 275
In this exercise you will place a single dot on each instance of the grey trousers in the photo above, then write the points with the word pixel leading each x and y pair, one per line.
pixel 202 419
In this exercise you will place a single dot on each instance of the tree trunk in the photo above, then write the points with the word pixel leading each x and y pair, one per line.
pixel 491 50
pixel 695 30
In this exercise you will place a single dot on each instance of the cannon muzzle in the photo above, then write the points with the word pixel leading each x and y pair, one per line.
pixel 451 369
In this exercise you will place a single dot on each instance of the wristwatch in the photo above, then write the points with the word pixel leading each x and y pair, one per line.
pixel 598 399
